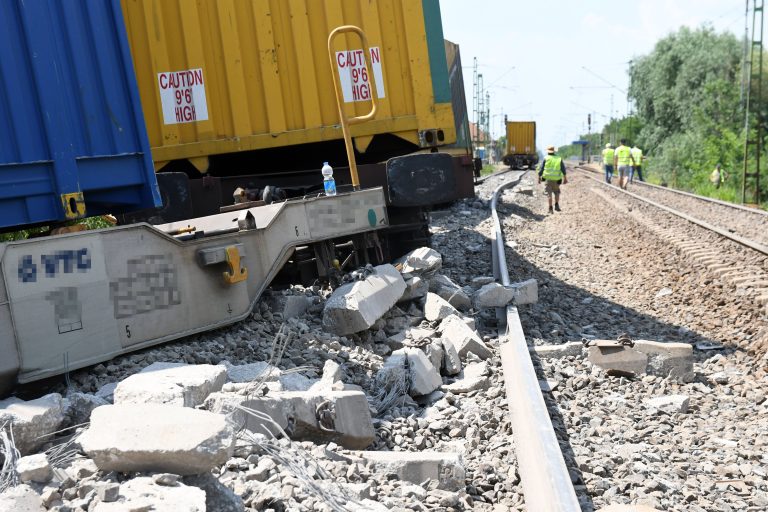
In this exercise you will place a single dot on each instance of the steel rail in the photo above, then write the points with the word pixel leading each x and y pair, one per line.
pixel 545 478
pixel 706 225
pixel 735 206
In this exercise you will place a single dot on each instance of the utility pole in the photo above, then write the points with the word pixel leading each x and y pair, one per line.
pixel 755 81
pixel 744 72
pixel 475 106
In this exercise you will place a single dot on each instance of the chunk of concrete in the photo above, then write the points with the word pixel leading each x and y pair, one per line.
pixel 670 404
pixel 451 360
pixel 569 349
pixel 480 281
pixel 435 353
pixel 492 295
pixel 295 306
pixel 143 494
pixel 526 292
pixel 445 468
pixel 177 384
pixel 21 498
pixel 342 417
pixel 157 438
pixel 450 291
pixel 34 468
pixel 436 308
pixel 356 306
pixel 331 379
pixel 463 338
pixel 424 377
pixel 495 295
pixel 415 288
pixel 78 407
pixel 250 372
pixel 474 377
pixel 422 262
pixel 674 360
pixel 618 359
pixel 295 382
pixel 33 421
pixel 218 497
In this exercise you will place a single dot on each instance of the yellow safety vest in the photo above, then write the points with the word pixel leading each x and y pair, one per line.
pixel 608 156
pixel 552 171
pixel 637 154
pixel 623 155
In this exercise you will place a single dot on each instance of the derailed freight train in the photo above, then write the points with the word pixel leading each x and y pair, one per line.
pixel 240 95
pixel 233 95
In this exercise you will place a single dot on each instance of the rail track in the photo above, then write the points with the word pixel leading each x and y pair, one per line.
pixel 744 225
pixel 545 478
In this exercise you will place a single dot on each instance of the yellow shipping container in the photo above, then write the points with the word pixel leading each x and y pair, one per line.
pixel 223 76
pixel 521 144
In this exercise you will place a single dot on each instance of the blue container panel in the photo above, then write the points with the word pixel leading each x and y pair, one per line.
pixel 70 116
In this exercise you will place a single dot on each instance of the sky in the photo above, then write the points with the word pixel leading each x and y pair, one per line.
pixel 556 61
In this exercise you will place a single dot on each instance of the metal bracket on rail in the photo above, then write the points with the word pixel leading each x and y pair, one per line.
pixel 345 121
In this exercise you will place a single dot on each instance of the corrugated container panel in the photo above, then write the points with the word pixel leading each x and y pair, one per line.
pixel 458 97
pixel 219 76
pixel 521 137
pixel 72 136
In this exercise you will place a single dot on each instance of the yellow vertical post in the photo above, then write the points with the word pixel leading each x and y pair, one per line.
pixel 345 121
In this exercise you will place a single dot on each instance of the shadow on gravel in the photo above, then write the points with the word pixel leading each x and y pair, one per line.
pixel 520 211
pixel 569 313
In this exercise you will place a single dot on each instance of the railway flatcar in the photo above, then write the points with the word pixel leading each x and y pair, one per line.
pixel 234 95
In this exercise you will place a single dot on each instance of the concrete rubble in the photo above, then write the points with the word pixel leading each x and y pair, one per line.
pixel 449 449
pixel 171 383
pixel 33 421
pixel 674 360
pixel 423 376
pixel 463 338
pixel 415 288
pixel 436 308
pixel 78 407
pixel 21 498
pixel 422 262
pixel 670 404
pixel 474 377
pixel 447 469
pixel 495 295
pixel 145 437
pixel 143 493
pixel 34 468
pixel 356 306
pixel 450 291
pixel 302 415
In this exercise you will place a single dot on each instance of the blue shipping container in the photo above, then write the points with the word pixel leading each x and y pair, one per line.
pixel 72 135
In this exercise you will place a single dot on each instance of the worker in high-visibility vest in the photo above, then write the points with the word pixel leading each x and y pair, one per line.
pixel 637 165
pixel 608 154
pixel 552 172
pixel 623 161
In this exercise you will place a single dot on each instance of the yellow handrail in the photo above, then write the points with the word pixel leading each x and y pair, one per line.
pixel 346 122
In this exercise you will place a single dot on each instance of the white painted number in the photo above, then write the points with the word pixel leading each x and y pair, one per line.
pixel 182 94
pixel 354 77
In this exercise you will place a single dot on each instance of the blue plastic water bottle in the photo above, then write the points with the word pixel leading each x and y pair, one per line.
pixel 328 182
